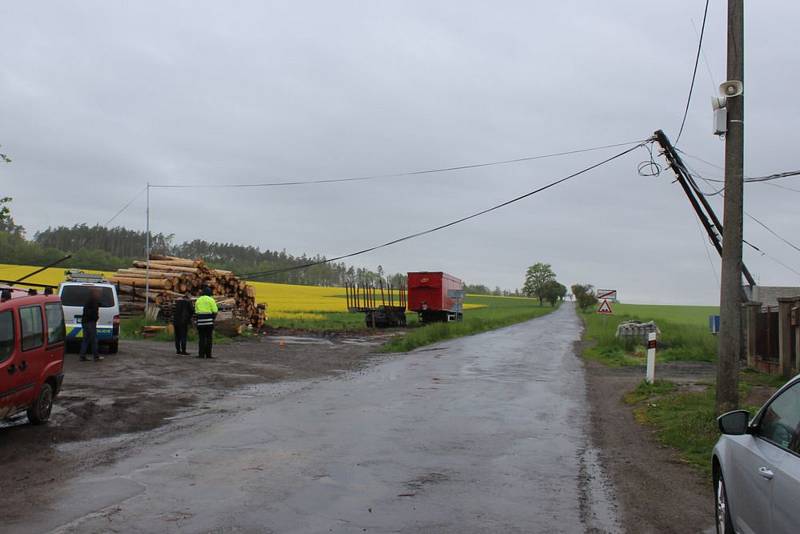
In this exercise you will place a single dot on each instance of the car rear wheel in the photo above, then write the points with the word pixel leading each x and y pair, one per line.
pixel 723 511
pixel 114 347
pixel 40 411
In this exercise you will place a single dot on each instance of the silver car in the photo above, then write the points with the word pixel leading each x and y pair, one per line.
pixel 756 467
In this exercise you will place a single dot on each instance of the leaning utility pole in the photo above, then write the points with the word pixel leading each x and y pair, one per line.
pixel 731 280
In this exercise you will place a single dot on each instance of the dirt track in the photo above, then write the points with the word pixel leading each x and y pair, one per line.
pixel 657 492
pixel 144 386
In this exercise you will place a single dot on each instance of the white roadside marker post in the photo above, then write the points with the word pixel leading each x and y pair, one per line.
pixel 651 357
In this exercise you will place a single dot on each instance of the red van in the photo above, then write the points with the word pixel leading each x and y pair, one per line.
pixel 32 338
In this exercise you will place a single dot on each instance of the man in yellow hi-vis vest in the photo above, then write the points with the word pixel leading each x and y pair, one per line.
pixel 205 309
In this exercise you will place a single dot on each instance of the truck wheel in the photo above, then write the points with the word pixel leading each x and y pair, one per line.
pixel 40 411
pixel 114 347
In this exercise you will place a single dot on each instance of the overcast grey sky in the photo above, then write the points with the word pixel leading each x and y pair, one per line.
pixel 97 98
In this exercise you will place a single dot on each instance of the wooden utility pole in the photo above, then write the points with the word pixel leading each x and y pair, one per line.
pixel 731 280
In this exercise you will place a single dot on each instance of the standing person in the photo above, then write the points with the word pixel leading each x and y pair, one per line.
pixel 89 318
pixel 181 317
pixel 205 308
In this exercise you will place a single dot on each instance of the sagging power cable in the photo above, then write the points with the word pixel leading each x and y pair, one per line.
pixel 747 179
pixel 125 207
pixel 446 225
pixel 694 73
pixel 392 175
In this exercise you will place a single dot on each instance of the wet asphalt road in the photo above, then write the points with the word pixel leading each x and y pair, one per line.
pixel 480 434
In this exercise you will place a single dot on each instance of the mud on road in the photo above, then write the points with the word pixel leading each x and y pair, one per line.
pixel 104 404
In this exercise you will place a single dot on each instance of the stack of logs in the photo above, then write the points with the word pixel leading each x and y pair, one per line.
pixel 171 277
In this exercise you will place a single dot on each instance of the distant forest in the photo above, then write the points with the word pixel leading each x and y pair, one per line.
pixel 108 249
pixel 98 247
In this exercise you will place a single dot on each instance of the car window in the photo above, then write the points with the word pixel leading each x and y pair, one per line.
pixel 6 335
pixel 780 422
pixel 31 326
pixel 79 295
pixel 55 322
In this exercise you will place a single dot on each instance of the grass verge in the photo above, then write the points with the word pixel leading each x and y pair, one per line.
pixel 684 418
pixel 497 313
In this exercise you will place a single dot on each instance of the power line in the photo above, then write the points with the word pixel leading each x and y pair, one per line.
pixel 760 223
pixel 684 170
pixel 446 225
pixel 698 158
pixel 771 177
pixel 705 247
pixel 748 179
pixel 707 63
pixel 779 262
pixel 126 206
pixel 392 175
pixel 694 73
pixel 779 186
pixel 773 232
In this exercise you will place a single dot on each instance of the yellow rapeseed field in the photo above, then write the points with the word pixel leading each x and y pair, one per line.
pixel 293 298
pixel 52 276
pixel 286 300
pixel 283 300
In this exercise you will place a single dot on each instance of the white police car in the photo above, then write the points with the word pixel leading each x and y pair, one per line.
pixel 74 293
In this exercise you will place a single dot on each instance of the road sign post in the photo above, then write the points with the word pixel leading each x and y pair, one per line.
pixel 651 357
pixel 605 308
pixel 458 296
pixel 606 294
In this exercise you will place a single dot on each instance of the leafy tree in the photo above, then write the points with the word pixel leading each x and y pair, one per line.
pixel 584 295
pixel 7 223
pixel 477 289
pixel 554 292
pixel 536 278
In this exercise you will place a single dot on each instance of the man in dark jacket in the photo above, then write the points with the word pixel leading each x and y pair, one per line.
pixel 89 318
pixel 181 317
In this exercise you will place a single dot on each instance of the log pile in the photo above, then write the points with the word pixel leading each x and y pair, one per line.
pixel 171 277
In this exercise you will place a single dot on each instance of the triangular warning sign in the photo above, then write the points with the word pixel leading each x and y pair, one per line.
pixel 605 308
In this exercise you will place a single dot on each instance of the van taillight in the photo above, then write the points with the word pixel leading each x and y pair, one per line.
pixel 116 320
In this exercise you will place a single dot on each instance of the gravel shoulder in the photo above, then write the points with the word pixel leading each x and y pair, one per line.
pixel 656 491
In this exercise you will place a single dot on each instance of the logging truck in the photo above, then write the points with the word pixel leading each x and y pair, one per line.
pixel 434 296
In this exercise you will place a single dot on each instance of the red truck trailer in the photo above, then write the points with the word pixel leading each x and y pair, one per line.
pixel 435 296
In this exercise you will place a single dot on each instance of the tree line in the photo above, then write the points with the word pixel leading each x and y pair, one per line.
pixel 102 248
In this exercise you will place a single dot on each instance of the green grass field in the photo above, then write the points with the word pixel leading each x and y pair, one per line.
pixel 684 334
